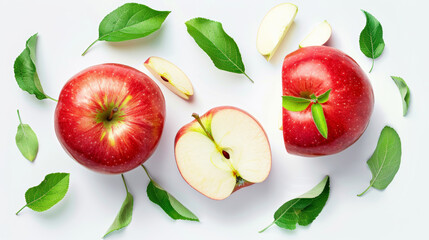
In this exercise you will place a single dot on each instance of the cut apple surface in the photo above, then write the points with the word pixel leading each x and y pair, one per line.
pixel 318 36
pixel 274 27
pixel 171 76
pixel 222 151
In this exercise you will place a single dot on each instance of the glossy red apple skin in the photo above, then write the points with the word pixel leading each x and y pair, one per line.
pixel 210 113
pixel 315 70
pixel 136 128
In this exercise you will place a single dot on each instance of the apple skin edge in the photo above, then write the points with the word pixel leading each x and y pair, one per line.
pixel 211 112
pixel 314 70
pixel 130 138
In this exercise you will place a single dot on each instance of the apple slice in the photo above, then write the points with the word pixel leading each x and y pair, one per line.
pixel 274 27
pixel 319 36
pixel 224 150
pixel 171 76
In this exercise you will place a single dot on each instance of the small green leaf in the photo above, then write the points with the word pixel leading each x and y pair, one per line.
pixel 295 104
pixel 405 93
pixel 167 202
pixel 386 159
pixel 324 97
pixel 26 140
pixel 304 209
pixel 319 119
pixel 129 21
pixel 220 47
pixel 371 38
pixel 25 70
pixel 125 214
pixel 48 193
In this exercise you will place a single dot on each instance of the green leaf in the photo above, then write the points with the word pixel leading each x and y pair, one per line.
pixel 405 93
pixel 295 104
pixel 129 21
pixel 26 140
pixel 319 119
pixel 167 202
pixel 220 47
pixel 386 159
pixel 371 38
pixel 125 214
pixel 25 70
pixel 304 209
pixel 48 193
pixel 324 97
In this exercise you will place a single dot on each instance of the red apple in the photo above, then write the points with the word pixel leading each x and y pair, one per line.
pixel 110 117
pixel 224 150
pixel 315 70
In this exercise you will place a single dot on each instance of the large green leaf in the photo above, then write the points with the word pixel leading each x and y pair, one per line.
pixel 371 38
pixel 129 21
pixel 304 209
pixel 48 193
pixel 168 203
pixel 386 159
pixel 125 214
pixel 220 47
pixel 26 140
pixel 25 70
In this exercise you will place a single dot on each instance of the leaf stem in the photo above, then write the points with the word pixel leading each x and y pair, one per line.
pixel 147 173
pixel 365 191
pixel 125 183
pixel 89 47
pixel 20 209
pixel 19 116
pixel 248 77
pixel 53 99
pixel 372 66
pixel 263 230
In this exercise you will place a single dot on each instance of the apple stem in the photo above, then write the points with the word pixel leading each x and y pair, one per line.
pixel 263 230
pixel 114 110
pixel 125 183
pixel 248 77
pixel 20 210
pixel 89 47
pixel 197 117
pixel 147 173
pixel 365 191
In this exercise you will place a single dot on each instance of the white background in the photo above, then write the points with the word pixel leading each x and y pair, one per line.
pixel 66 28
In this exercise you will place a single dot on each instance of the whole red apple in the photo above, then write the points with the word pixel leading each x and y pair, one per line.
pixel 110 117
pixel 312 71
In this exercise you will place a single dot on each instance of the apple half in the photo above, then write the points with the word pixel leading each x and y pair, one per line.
pixel 274 27
pixel 318 36
pixel 171 76
pixel 224 150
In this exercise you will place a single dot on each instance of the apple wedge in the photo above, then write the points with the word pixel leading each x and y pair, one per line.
pixel 224 150
pixel 171 76
pixel 318 36
pixel 274 27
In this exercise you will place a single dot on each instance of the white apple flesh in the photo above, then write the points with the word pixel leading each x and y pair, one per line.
pixel 274 27
pixel 171 76
pixel 318 36
pixel 230 152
